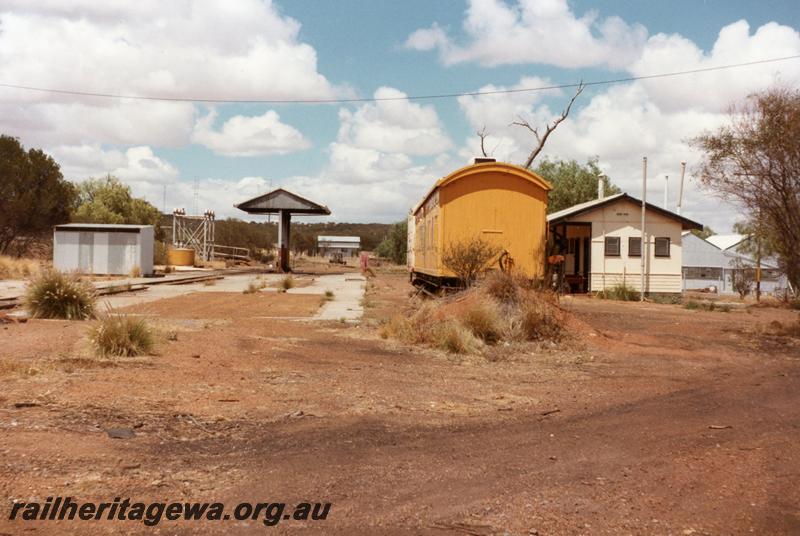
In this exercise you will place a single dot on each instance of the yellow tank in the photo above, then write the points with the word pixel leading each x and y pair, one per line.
pixel 180 257
pixel 500 203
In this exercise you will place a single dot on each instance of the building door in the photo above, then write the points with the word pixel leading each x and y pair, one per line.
pixel 587 261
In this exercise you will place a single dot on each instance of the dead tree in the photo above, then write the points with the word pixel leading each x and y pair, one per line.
pixel 541 139
pixel 482 135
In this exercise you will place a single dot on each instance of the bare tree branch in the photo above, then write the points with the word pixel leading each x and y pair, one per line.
pixel 542 139
pixel 482 134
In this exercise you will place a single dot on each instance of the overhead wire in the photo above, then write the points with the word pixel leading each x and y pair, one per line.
pixel 214 100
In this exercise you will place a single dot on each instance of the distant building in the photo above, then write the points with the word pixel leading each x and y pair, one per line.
pixel 713 262
pixel 347 246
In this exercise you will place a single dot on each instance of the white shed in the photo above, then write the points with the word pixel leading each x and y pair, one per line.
pixel 346 245
pixel 112 249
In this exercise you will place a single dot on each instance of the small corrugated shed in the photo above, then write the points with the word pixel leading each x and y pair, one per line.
pixel 103 249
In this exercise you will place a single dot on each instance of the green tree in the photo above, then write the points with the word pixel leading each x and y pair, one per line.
pixel 754 160
pixel 110 201
pixel 572 182
pixel 33 195
pixel 705 233
pixel 395 245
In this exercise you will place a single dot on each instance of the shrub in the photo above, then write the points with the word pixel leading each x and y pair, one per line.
pixel 53 294
pixel 502 286
pixel 620 292
pixel 469 258
pixel 121 336
pixel 160 253
pixel 706 306
pixel 666 299
pixel 463 324
pixel 328 295
pixel 482 319
pixel 743 277
pixel 538 319
pixel 135 272
pixel 288 282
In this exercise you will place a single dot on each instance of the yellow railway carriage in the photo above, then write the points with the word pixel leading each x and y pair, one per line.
pixel 500 203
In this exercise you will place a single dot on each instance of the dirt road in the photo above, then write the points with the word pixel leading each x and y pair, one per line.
pixel 658 421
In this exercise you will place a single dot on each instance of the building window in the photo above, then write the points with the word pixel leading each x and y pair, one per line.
pixel 702 272
pixel 662 246
pixel 612 246
pixel 634 246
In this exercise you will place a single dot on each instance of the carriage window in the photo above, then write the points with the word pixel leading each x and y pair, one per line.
pixel 612 246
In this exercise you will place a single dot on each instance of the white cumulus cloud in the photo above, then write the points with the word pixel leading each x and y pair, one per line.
pixel 398 126
pixel 249 136
pixel 168 49
pixel 715 90
pixel 136 165
pixel 534 31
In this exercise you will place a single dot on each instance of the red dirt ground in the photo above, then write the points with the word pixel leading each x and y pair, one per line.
pixel 408 440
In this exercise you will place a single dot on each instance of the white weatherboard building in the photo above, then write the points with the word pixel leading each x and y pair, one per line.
pixel 348 246
pixel 111 249
pixel 601 244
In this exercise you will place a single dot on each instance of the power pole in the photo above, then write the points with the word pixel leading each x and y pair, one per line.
pixel 643 244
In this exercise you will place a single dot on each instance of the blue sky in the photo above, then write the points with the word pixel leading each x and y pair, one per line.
pixel 372 161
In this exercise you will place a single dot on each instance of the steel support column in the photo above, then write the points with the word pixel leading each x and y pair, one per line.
pixel 284 232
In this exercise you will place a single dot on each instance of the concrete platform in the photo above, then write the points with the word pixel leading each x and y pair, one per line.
pixel 348 290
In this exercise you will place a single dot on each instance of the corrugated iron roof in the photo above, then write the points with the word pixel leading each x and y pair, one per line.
pixel 339 238
pixel 726 241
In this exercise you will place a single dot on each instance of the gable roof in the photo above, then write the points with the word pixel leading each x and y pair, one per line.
pixel 280 199
pixel 594 204
pixel 726 241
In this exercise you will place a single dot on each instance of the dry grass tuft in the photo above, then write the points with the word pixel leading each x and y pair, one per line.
pixel 477 318
pixel 117 335
pixel 502 286
pixel 454 337
pixel 288 282
pixel 539 318
pixel 791 329
pixel 18 268
pixel 483 320
pixel 53 294
pixel 10 368
pixel 254 286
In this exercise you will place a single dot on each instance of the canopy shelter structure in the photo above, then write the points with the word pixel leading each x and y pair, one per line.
pixel 284 204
